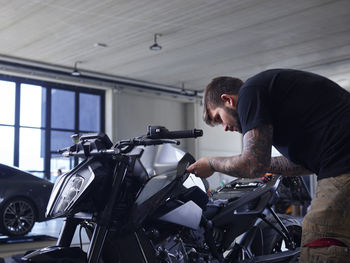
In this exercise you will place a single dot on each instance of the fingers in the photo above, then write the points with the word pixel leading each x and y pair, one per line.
pixel 201 168
pixel 191 169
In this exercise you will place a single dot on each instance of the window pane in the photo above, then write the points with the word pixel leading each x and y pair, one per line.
pixel 60 140
pixel 7 144
pixel 7 102
pixel 33 102
pixel 62 109
pixel 89 112
pixel 31 149
pixel 60 165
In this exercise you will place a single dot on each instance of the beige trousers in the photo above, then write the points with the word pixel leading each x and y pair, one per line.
pixel 329 216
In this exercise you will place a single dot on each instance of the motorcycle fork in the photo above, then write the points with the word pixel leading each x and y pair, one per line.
pixel 105 218
pixel 67 232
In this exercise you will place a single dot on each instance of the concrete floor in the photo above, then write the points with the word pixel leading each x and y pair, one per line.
pixel 49 228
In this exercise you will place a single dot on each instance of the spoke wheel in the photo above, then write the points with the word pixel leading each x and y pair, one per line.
pixel 17 217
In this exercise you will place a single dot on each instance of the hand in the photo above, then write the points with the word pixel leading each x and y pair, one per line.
pixel 201 168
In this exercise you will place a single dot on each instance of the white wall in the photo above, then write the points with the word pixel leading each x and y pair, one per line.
pixel 133 112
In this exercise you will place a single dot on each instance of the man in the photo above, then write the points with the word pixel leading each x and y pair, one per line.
pixel 307 118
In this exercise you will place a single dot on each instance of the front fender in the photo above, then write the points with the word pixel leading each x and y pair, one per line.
pixel 54 254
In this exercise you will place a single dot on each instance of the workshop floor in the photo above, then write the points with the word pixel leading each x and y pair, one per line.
pixel 10 250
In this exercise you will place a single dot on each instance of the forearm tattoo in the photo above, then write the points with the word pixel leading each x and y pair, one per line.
pixel 255 158
pixel 281 165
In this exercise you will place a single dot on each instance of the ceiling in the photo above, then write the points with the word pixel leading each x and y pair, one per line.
pixel 201 39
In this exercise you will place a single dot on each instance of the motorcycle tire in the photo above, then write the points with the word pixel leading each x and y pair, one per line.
pixel 17 217
pixel 273 241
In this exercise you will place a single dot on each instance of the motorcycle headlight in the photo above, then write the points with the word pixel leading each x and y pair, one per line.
pixel 67 191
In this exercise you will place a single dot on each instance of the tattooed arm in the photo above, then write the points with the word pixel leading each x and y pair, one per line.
pixel 255 158
pixel 281 165
pixel 254 161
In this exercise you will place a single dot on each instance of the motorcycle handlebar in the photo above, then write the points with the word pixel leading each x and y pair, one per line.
pixel 97 144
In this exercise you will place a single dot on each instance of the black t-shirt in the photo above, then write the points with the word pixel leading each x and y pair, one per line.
pixel 309 113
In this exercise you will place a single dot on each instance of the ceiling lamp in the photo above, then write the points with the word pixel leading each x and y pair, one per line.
pixel 100 45
pixel 155 46
pixel 75 71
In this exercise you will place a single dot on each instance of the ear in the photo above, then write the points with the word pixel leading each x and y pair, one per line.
pixel 229 100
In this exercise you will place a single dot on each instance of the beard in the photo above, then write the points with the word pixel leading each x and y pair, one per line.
pixel 234 114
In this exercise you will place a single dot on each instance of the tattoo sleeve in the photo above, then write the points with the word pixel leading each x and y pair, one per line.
pixel 255 158
pixel 281 165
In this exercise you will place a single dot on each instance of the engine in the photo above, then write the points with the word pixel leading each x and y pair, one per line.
pixel 186 247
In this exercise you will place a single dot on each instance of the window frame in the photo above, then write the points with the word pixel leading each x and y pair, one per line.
pixel 49 86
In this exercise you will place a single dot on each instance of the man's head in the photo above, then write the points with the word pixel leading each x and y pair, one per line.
pixel 220 99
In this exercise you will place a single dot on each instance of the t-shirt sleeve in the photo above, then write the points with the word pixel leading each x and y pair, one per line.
pixel 253 107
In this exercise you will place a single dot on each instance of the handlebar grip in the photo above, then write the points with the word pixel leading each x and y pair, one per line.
pixel 160 132
pixel 185 134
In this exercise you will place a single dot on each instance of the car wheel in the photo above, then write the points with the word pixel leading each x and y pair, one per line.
pixel 17 217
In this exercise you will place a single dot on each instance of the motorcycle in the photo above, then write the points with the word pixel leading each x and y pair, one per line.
pixel 137 203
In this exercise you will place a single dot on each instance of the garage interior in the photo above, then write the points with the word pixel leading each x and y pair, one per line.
pixel 103 48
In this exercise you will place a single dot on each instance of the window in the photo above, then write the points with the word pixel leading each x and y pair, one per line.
pixel 62 109
pixel 38 119
pixel 31 150
pixel 32 106
pixel 7 144
pixel 7 102
pixel 7 121
pixel 89 112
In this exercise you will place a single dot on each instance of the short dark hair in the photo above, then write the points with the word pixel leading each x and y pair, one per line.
pixel 213 92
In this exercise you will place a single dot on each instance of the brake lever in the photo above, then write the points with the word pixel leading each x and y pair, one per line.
pixel 126 146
